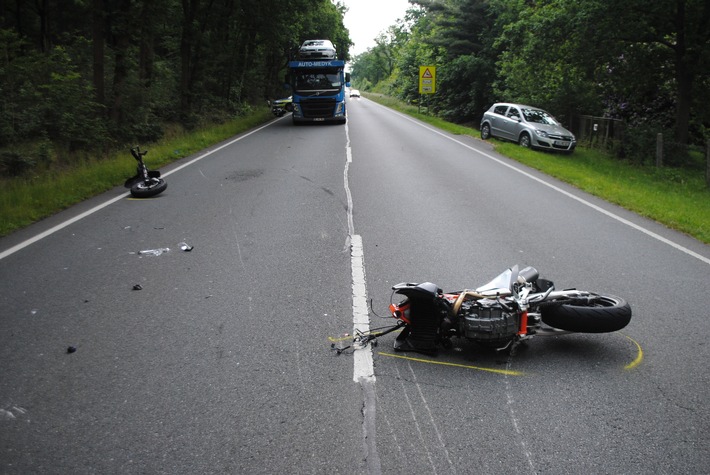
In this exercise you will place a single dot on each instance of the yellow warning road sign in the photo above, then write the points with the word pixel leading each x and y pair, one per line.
pixel 427 79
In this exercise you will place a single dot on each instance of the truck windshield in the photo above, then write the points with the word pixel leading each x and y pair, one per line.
pixel 317 81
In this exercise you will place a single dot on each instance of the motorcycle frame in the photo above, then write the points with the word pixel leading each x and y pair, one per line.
pixel 523 300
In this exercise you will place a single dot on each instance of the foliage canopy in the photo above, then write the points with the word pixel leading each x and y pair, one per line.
pixel 91 74
pixel 644 63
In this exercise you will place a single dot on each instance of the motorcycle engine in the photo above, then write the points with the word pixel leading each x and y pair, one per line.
pixel 487 321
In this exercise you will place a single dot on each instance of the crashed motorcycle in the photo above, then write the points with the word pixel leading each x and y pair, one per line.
pixel 280 106
pixel 145 183
pixel 515 306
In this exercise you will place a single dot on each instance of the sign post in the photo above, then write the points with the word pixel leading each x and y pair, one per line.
pixel 427 82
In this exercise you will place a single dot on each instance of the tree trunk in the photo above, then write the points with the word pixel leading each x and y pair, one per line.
pixel 684 76
pixel 121 32
pixel 684 80
pixel 97 33
pixel 187 41
pixel 43 25
pixel 146 54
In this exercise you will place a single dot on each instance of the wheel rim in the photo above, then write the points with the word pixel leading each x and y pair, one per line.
pixel 153 183
pixel 525 140
pixel 604 301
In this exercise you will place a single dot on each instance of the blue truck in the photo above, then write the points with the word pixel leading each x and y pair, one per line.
pixel 318 90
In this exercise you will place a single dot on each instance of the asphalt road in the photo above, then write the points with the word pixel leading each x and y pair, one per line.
pixel 221 363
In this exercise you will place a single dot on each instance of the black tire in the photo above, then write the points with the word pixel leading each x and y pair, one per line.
pixel 603 314
pixel 525 141
pixel 143 190
pixel 485 131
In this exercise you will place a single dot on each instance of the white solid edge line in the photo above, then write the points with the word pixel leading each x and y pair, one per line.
pixel 93 210
pixel 560 190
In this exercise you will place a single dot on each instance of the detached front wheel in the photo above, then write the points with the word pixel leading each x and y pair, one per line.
pixel 593 314
pixel 153 187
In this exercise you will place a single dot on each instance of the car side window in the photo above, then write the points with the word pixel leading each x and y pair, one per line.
pixel 513 114
pixel 500 110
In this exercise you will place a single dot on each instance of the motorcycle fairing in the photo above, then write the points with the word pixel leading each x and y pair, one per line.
pixel 422 312
pixel 423 289
pixel 502 284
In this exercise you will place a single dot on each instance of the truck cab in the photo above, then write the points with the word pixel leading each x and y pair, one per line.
pixel 318 90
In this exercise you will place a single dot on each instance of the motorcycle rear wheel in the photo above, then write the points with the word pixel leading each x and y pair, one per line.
pixel 143 190
pixel 606 313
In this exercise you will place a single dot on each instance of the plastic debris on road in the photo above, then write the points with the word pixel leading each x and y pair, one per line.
pixel 154 252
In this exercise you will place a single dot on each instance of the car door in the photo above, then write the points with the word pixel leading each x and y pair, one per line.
pixel 510 126
pixel 497 119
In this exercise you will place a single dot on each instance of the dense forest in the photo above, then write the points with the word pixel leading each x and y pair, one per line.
pixel 87 75
pixel 642 66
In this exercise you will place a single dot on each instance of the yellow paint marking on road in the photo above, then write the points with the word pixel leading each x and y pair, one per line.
pixel 506 372
pixel 639 356
pixel 336 340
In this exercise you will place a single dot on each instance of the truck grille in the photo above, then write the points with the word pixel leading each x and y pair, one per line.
pixel 318 108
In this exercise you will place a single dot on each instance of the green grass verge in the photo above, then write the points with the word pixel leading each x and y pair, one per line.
pixel 677 198
pixel 27 200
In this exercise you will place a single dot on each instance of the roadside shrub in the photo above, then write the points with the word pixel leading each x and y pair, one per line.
pixel 15 164
pixel 146 132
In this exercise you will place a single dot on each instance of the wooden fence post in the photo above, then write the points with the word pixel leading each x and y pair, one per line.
pixel 659 150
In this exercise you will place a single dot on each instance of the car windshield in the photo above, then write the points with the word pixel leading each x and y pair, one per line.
pixel 538 116
pixel 313 81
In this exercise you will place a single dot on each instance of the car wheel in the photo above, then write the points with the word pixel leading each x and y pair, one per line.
pixel 525 140
pixel 485 131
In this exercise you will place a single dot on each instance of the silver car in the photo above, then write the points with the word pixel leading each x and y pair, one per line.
pixel 529 126
pixel 317 49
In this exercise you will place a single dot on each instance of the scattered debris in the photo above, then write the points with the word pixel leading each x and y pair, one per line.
pixel 186 247
pixel 12 413
pixel 138 287
pixel 154 252
pixel 71 349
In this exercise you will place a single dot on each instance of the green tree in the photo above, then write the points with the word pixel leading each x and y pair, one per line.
pixel 124 67
pixel 635 59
